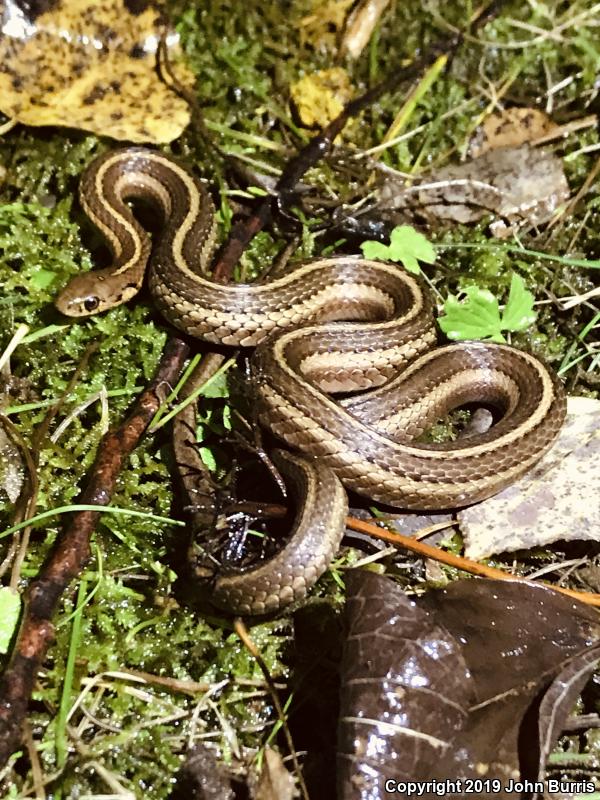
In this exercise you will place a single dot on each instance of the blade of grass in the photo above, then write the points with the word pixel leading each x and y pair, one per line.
pixel 190 398
pixel 173 394
pixel 47 403
pixel 65 700
pixel 415 96
pixel 97 577
pixel 17 338
pixel 54 512
pixel 566 364
pixel 241 136
pixel 41 333
pixel 508 248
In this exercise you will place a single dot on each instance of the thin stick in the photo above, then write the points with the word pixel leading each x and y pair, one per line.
pixel 459 562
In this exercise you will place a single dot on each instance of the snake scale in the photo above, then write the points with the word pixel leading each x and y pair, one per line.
pixel 332 325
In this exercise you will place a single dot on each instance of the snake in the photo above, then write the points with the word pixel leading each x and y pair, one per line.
pixel 343 325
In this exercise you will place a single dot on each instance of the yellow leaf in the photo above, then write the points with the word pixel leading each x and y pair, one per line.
pixel 321 96
pixel 90 65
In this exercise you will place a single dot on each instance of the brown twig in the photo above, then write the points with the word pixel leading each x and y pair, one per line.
pixel 34 757
pixel 172 684
pixel 412 543
pixel 317 148
pixel 72 552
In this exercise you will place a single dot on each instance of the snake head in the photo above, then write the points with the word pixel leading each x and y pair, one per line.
pixel 91 293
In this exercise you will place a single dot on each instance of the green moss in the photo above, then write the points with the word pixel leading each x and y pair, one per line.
pixel 40 247
pixel 41 168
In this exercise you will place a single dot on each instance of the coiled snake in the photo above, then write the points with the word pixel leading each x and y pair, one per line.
pixel 342 324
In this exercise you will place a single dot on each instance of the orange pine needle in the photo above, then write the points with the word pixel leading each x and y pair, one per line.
pixel 458 562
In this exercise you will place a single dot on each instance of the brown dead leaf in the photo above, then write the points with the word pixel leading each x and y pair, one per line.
pixel 274 782
pixel 453 681
pixel 556 705
pixel 89 65
pixel 521 186
pixel 510 128
pixel 556 500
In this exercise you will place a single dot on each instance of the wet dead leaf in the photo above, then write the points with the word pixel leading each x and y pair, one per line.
pixel 321 96
pixel 12 470
pixel 511 128
pixel 521 186
pixel 551 502
pixel 452 681
pixel 274 782
pixel 88 65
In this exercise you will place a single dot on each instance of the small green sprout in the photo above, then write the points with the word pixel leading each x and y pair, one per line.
pixel 479 317
pixel 406 246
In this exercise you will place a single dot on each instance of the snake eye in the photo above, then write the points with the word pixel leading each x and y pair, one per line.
pixel 91 303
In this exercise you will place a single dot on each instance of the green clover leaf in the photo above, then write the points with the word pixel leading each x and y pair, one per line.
pixel 478 316
pixel 406 246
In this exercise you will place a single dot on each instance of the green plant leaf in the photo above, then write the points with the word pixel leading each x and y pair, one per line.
pixel 208 458
pixel 478 315
pixel 518 313
pixel 10 608
pixel 375 250
pixel 406 246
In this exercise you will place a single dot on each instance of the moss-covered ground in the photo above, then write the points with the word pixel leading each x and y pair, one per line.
pixel 96 729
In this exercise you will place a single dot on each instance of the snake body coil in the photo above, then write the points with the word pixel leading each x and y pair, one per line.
pixel 341 324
